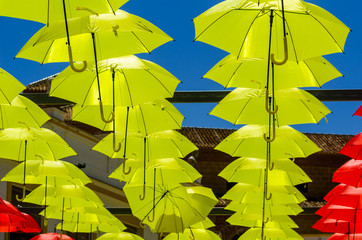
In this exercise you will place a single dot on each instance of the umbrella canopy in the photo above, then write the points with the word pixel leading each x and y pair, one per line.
pixel 254 220
pixel 10 222
pixel 353 148
pixel 93 38
pixel 24 143
pixel 51 236
pixel 271 233
pixel 251 73
pixel 30 225
pixel 38 170
pixel 163 144
pixel 170 208
pixel 192 233
pixel 341 236
pixel 243 27
pixel 164 163
pixel 350 173
pixel 67 195
pixel 247 106
pixel 358 112
pixel 49 12
pixel 123 81
pixel 271 208
pixel 87 227
pixel 148 117
pixel 10 87
pixel 249 141
pixel 240 188
pixel 21 108
pixel 119 236
pixel 251 171
pixel 336 225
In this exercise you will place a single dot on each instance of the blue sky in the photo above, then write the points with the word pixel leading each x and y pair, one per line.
pixel 189 60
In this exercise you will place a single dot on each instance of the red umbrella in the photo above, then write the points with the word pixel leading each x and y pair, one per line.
pixel 342 189
pixel 340 213
pixel 358 112
pixel 333 225
pixel 51 236
pixel 350 173
pixel 30 225
pixel 341 236
pixel 353 147
pixel 10 222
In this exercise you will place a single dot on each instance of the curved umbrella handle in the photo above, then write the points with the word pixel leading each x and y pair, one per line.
pixel 124 168
pixel 271 165
pixel 293 158
pixel 102 114
pixel 144 193
pixel 266 138
pixel 72 63
pixel 142 225
pixel 87 9
pixel 153 216
pixel 268 197
pixel 267 104
pixel 286 56
pixel 115 148
pixel 267 220
pixel 23 197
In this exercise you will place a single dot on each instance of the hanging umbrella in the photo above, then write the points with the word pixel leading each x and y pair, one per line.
pixel 72 195
pixel 171 207
pixel 240 188
pixel 341 236
pixel 358 112
pixel 164 163
pixel 271 233
pixel 10 222
pixel 24 143
pixel 242 27
pixel 192 233
pixel 353 148
pixel 123 75
pixel 249 141
pixel 254 220
pixel 251 73
pixel 270 209
pixel 119 236
pixel 251 171
pixel 148 117
pixel 87 227
pixel 10 87
pixel 247 106
pixel 30 225
pixel 93 38
pixel 343 189
pixel 335 225
pixel 51 236
pixel 22 109
pixel 163 144
pixel 349 173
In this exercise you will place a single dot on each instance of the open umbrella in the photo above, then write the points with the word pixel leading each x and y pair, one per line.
pixel 171 208
pixel 51 236
pixel 353 148
pixel 192 233
pixel 119 236
pixel 254 220
pixel 271 233
pixel 93 38
pixel 247 106
pixel 21 111
pixel 10 87
pixel 251 73
pixel 349 173
pixel 249 141
pixel 243 27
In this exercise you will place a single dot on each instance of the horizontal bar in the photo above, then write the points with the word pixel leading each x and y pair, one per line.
pixel 211 96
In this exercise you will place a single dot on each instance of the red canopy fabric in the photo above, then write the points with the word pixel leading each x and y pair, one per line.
pixel 341 236
pixel 358 112
pixel 333 226
pixel 30 225
pixel 353 147
pixel 51 236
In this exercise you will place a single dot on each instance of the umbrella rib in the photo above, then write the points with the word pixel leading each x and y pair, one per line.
pixel 242 111
pixel 89 89
pixel 111 7
pixel 233 154
pixel 316 121
pixel 5 96
pixel 327 32
pixel 46 54
pixel 159 82
pixel 246 35
pixel 310 70
pixel 143 119
pixel 233 74
pixel 141 42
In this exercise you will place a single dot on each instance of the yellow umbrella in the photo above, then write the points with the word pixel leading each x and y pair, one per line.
pixel 10 87
pixel 21 112
pixel 93 38
pixel 254 220
pixel 254 29
pixel 119 236
pixel 249 141
pixel 251 73
pixel 196 234
pixel 271 233
pixel 247 106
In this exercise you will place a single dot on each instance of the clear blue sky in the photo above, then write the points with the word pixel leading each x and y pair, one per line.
pixel 189 60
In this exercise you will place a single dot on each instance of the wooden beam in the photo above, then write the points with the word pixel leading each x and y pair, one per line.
pixel 211 96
